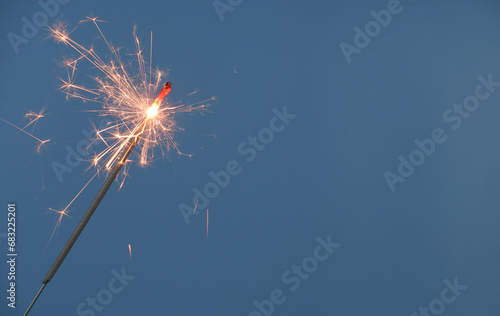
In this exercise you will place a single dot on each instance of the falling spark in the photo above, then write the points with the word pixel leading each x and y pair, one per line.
pixel 40 142
pixel 33 117
pixel 196 205
pixel 64 211
pixel 207 223
pixel 130 252
pixel 61 213
pixel 234 67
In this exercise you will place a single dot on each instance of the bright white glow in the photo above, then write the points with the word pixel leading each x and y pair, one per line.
pixel 152 111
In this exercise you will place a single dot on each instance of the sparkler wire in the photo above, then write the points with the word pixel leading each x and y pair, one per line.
pixel 90 211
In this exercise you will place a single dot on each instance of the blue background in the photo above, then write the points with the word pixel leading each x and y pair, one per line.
pixel 323 175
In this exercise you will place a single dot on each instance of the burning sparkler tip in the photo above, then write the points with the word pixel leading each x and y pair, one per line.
pixel 153 110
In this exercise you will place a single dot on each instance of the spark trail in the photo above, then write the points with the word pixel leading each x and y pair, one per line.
pixel 33 117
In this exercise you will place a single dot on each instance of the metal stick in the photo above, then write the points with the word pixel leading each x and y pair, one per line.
pixel 86 217
pixel 34 300
pixel 104 188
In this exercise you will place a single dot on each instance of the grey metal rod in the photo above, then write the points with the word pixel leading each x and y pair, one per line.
pixel 34 300
pixel 90 211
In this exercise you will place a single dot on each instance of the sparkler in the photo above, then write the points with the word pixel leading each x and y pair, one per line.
pixel 129 146
pixel 125 96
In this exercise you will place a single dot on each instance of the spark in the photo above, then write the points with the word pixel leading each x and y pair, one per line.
pixel 234 67
pixel 64 211
pixel 61 213
pixel 196 205
pixel 34 117
pixel 40 142
pixel 207 223
pixel 130 252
